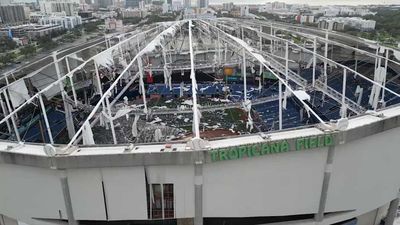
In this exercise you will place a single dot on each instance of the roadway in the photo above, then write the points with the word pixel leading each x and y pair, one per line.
pixel 44 58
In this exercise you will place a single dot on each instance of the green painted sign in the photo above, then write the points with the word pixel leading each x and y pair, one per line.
pixel 267 148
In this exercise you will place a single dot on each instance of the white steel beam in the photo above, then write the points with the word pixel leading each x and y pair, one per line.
pixel 67 109
pixel 72 82
pixel 196 115
pixel 344 107
pixel 46 121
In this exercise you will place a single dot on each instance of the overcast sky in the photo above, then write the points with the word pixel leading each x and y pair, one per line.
pixel 312 2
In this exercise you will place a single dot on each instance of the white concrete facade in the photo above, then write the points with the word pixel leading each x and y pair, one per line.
pixel 363 182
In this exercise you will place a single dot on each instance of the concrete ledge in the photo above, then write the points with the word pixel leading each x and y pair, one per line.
pixel 169 158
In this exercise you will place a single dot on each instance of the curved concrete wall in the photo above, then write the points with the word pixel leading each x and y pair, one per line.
pixel 363 178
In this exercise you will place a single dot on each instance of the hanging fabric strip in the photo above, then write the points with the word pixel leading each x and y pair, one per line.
pixel 18 93
pixel 87 134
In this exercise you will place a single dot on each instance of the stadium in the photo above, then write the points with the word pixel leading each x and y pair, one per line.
pixel 225 121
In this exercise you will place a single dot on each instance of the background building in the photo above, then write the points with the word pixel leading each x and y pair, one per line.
pixel 58 6
pixel 304 18
pixel 5 2
pixel 176 5
pixel 228 6
pixel 339 23
pixel 244 10
pixel 67 22
pixel 103 3
pixel 202 3
pixel 127 13
pixel 12 14
pixel 187 3
pixel 31 31
pixel 132 3
pixel 113 24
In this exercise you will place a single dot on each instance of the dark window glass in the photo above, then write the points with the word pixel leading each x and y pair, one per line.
pixel 168 200
pixel 157 202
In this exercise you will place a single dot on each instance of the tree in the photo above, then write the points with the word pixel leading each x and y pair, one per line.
pixel 91 27
pixel 28 50
pixel 46 43
pixel 77 31
pixel 132 20
pixel 7 44
pixel 8 58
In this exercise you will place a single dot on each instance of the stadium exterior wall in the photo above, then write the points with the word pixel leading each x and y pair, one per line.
pixel 363 180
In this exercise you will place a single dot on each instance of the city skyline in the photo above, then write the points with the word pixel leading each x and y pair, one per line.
pixel 311 2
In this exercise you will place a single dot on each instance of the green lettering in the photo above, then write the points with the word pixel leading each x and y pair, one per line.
pixel 222 155
pixel 255 151
pixel 306 143
pixel 285 146
pixel 275 147
pixel 248 150
pixel 242 151
pixel 321 141
pixel 313 142
pixel 299 144
pixel 233 153
pixel 214 155
pixel 328 140
pixel 265 149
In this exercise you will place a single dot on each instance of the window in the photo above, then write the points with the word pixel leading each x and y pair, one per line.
pixel 168 200
pixel 157 202
pixel 160 201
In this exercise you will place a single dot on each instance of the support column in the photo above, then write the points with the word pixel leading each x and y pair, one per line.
pixel 140 68
pixel 167 78
pixel 261 65
pixel 244 75
pixel 271 43
pixel 46 121
pixel 280 105
pixel 111 120
pixel 96 68
pixel 67 200
pixel 196 119
pixel 319 216
pixel 376 57
pixel 219 49
pixel 5 112
pixel 198 193
pixel 68 114
pixel 326 56
pixel 355 58
pixel 344 108
pixel 384 81
pixel 392 211
pixel 72 81
pixel 314 61
pixel 226 52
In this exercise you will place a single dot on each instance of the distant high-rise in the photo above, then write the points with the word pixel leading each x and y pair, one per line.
pixel 228 6
pixel 187 3
pixel 12 14
pixel 103 3
pixel 132 3
pixel 70 7
pixel 119 3
pixel 202 3
pixel 5 2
